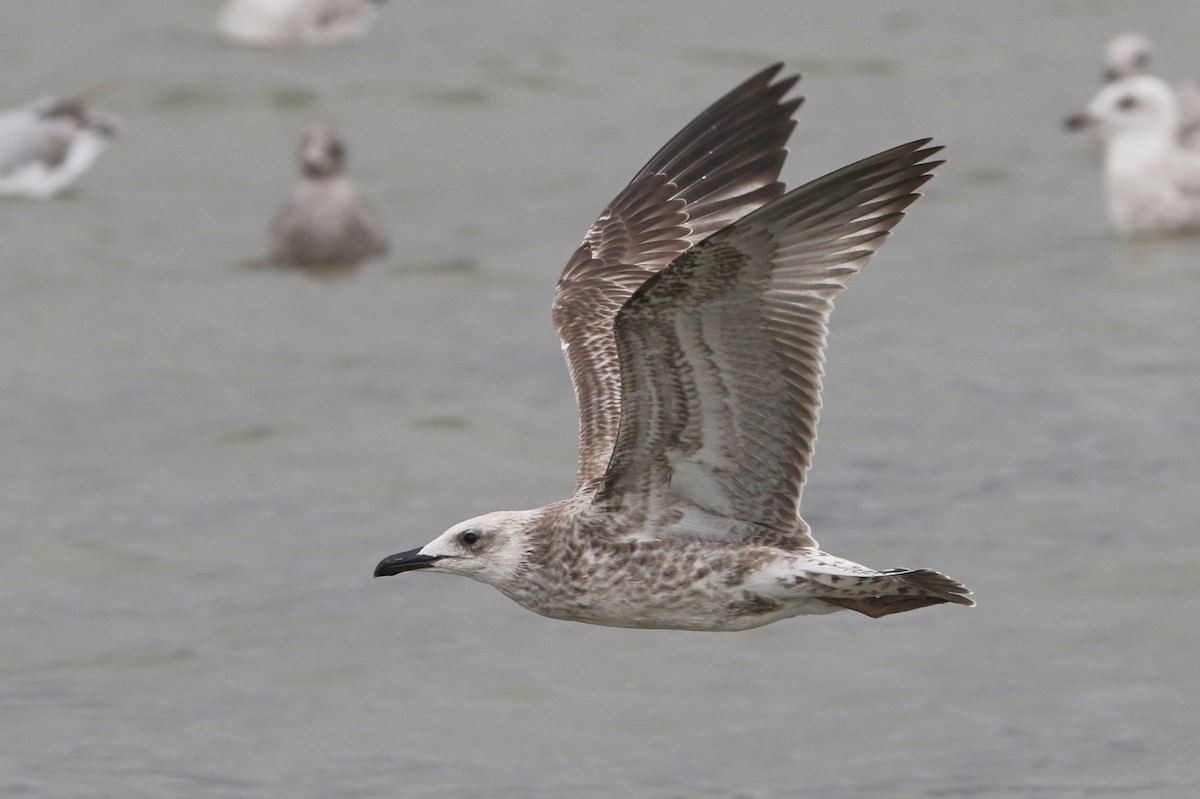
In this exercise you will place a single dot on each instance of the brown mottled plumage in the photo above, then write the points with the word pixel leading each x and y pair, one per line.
pixel 720 167
pixel 327 222
pixel 693 319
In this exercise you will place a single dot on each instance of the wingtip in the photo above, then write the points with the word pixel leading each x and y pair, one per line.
pixel 922 148
pixel 769 77
pixel 768 73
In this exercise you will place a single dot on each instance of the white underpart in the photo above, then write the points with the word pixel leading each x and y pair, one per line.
pixel 38 180
pixel 1152 182
pixel 25 137
pixel 273 23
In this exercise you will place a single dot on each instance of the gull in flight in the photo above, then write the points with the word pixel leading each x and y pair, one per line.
pixel 47 145
pixel 693 321
pixel 326 222
pixel 1152 182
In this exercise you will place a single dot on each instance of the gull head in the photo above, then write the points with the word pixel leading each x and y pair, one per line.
pixel 493 549
pixel 322 153
pixel 1127 54
pixel 1139 105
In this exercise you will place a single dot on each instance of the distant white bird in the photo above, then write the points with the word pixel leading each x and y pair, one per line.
pixel 1130 54
pixel 47 144
pixel 693 320
pixel 327 222
pixel 276 23
pixel 1152 182
pixel 1127 54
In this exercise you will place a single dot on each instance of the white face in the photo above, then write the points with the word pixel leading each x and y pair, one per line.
pixel 1141 104
pixel 491 548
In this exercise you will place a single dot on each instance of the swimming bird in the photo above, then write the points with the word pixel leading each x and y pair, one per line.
pixel 46 145
pixel 693 321
pixel 276 23
pixel 326 222
pixel 1152 183
pixel 1130 54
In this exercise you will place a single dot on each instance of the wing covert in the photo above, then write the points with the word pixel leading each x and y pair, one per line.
pixel 721 357
pixel 721 166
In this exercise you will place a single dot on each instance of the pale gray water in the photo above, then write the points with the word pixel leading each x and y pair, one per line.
pixel 204 460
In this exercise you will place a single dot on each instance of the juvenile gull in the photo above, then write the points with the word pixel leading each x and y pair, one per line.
pixel 693 320
pixel 46 145
pixel 275 23
pixel 327 222
pixel 1152 182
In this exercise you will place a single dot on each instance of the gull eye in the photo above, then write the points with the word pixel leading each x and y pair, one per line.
pixel 1127 103
pixel 470 538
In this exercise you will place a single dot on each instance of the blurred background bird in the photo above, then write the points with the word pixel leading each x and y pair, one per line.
pixel 1130 54
pixel 278 23
pixel 326 222
pixel 1152 182
pixel 47 144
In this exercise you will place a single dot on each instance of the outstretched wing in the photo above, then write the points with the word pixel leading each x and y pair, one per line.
pixel 721 358
pixel 720 167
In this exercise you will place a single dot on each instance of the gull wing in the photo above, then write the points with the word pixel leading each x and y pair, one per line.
pixel 722 165
pixel 721 358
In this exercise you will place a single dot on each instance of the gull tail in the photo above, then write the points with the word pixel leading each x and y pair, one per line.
pixel 907 589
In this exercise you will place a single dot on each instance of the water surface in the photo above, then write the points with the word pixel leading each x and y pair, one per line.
pixel 204 458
